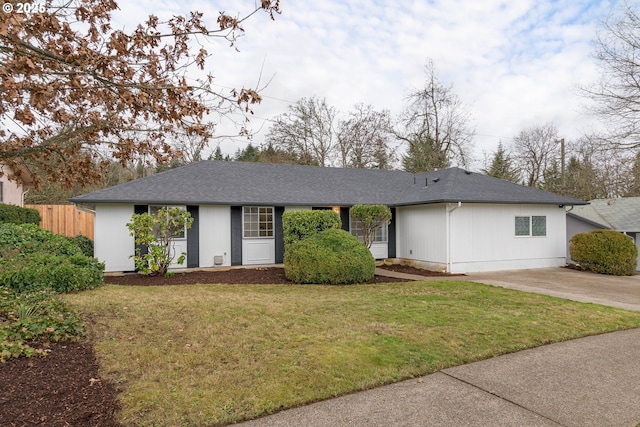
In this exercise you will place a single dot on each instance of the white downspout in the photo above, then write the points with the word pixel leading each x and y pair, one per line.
pixel 24 193
pixel 448 225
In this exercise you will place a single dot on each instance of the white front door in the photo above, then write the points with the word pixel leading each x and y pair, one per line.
pixel 179 246
pixel 258 235
pixel 258 251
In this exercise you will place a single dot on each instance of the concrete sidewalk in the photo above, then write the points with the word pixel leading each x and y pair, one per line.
pixel 593 381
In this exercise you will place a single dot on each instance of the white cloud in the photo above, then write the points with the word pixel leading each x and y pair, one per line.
pixel 514 63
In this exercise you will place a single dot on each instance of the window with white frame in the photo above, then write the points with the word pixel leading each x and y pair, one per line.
pixel 175 234
pixel 257 221
pixel 527 226
pixel 381 235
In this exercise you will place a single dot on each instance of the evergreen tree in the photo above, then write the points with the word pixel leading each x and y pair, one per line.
pixel 502 166
pixel 583 180
pixel 248 154
pixel 217 155
pixel 423 155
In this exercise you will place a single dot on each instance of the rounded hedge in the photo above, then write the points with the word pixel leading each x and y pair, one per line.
pixel 17 215
pixel 330 257
pixel 298 225
pixel 605 251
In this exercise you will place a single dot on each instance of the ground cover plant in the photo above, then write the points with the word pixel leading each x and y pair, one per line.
pixel 202 355
pixel 29 321
pixel 36 259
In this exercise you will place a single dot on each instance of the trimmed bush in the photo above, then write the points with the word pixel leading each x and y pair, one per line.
pixel 370 218
pixel 31 239
pixel 297 225
pixel 17 215
pixel 332 256
pixel 605 251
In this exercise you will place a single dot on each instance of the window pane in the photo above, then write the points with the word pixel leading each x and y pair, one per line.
pixel 539 225
pixel 258 221
pixel 522 226
pixel 380 236
pixel 174 234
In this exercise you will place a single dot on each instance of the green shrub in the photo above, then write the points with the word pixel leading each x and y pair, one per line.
pixel 370 218
pixel 331 256
pixel 297 225
pixel 605 251
pixel 155 232
pixel 31 239
pixel 55 272
pixel 84 243
pixel 30 320
pixel 17 215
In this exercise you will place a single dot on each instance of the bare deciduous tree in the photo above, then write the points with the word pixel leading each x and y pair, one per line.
pixel 435 126
pixel 534 150
pixel 364 139
pixel 306 131
pixel 617 92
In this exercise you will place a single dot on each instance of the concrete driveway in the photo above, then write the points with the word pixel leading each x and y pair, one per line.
pixel 615 291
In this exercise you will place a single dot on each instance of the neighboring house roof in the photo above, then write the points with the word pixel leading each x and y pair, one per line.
pixel 241 183
pixel 618 214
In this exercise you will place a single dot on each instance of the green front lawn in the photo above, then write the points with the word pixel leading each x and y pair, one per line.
pixel 213 354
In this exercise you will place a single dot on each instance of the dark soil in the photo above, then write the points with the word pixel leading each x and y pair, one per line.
pixel 61 389
pixel 65 388
pixel 259 275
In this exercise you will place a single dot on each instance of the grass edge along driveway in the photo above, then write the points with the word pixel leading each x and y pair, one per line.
pixel 207 355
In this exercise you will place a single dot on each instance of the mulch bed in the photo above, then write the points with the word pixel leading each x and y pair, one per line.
pixel 416 271
pixel 61 389
pixel 65 388
pixel 258 275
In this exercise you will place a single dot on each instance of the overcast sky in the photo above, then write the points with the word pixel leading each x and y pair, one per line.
pixel 514 63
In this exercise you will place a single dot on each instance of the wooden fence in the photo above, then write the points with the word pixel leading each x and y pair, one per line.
pixel 65 219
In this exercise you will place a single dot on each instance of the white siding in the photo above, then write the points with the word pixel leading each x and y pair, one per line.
pixel 215 234
pixel 421 234
pixel 113 244
pixel 11 190
pixel 483 238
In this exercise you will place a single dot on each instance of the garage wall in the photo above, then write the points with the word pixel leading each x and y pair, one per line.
pixel 483 238
pixel 421 234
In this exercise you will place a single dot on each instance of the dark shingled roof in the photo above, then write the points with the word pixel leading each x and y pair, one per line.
pixel 243 183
